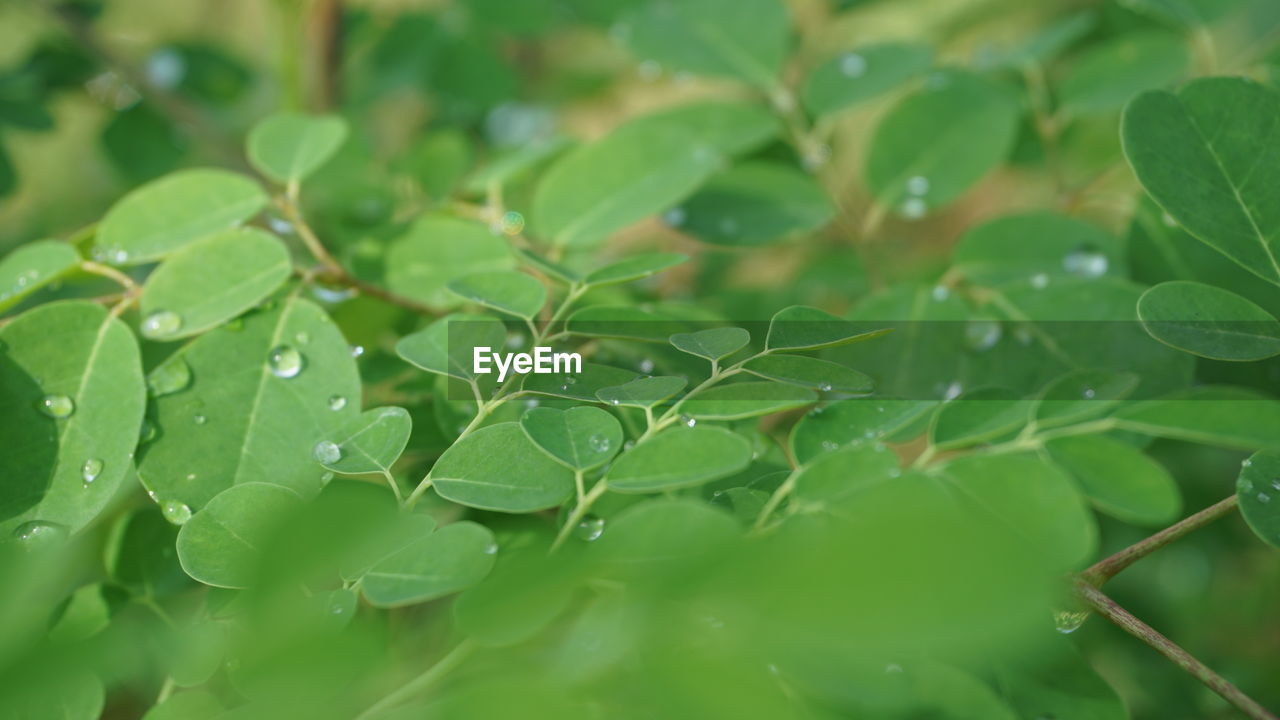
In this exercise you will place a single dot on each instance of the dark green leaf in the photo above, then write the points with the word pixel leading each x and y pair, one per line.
pixel 634 268
pixel 437 249
pixel 1258 489
pixel 829 428
pixel 1106 77
pixel 1120 480
pixel 514 293
pixel 746 399
pixel 837 476
pixel 753 204
pixel 643 392
pixel 713 343
pixel 287 147
pixel 809 372
pixel 806 328
pixel 977 416
pixel 1230 417
pixel 578 386
pixel 1209 321
pixel 451 559
pixel 743 39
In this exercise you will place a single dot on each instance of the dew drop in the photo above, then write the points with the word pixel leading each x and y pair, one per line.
pixel 357 351
pixel 892 669
pixel 175 511
pixel 285 362
pixel 57 406
pixel 91 469
pixel 688 420
pixel 1088 393
pixel 1168 220
pixel 491 549
pixel 1068 621
pixel 1264 498
pixel 918 185
pixel 161 324
pixel 147 432
pixel 337 402
pixel 952 391
pixel 853 65
pixel 1040 281
pixel 590 528
pixel 302 338
pixel 913 208
pixel 326 452
pixel 1275 484
pixel 674 217
pixel 199 419
pixel 169 377
pixel 982 335
pixel 38 533
pixel 940 293
pixel 646 366
pixel 830 445
pixel 824 386
pixel 325 478
pixel 599 442
pixel 1086 261
pixel 649 70
pixel 512 223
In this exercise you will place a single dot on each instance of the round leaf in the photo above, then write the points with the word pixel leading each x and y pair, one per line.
pixel 679 458
pixel 746 399
pixel 753 204
pixel 581 438
pixel 1120 480
pixel 447 346
pixel 842 474
pixel 862 74
pixel 288 147
pixel 634 267
pixel 435 250
pixel 31 267
pixel 451 559
pixel 805 328
pixel 369 443
pixel 500 468
pixel 222 544
pixel 514 293
pixel 1258 489
pixel 643 392
pixel 809 372
pixel 713 343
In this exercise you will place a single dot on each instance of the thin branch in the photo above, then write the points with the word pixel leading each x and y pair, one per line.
pixel 1108 608
pixel 1105 569
pixel 442 667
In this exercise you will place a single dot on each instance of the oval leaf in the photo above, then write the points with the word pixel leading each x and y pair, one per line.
pixel 451 559
pixel 1122 481
pixel 437 249
pixel 862 74
pixel 679 458
pixel 1208 321
pixel 1258 489
pixel 31 267
pixel 634 268
pixel 806 328
pixel 643 392
pixel 713 343
pixel 369 443
pixel 746 399
pixel 810 372
pixel 500 468
pixel 581 438
pixel 287 147
pixel 222 544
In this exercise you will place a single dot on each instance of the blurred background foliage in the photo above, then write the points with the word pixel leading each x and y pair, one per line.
pixel 97 97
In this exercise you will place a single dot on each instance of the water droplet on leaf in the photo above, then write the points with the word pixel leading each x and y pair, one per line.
pixel 1068 621
pixel 285 362
pixel 37 533
pixel 57 406
pixel 161 324
pixel 599 442
pixel 91 469
pixel 1086 261
pixel 853 65
pixel 337 402
pixel 590 528
pixel 175 511
pixel 326 452
pixel 170 377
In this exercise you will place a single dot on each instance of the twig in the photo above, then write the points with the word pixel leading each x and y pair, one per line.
pixel 416 685
pixel 1108 608
pixel 1105 569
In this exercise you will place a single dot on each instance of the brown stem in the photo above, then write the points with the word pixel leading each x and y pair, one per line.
pixel 1108 608
pixel 1105 569
pixel 326 30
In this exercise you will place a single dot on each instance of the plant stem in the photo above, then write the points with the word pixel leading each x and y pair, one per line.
pixel 442 667
pixel 124 281
pixel 1108 608
pixel 1105 569
pixel 775 500
pixel 579 511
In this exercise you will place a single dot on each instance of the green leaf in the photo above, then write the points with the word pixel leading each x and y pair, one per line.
pixel 1209 321
pixel 754 203
pixel 1258 489
pixel 840 475
pixel 511 165
pixel 211 281
pixel 1208 157
pixel 623 321
pixel 399 531
pixel 733 128
pixel 553 270
pixel 1120 480
pixel 977 416
pixel 678 458
pixel 1030 496
pixel 438 249
pixel 139 554
pixel 451 559
pixel 166 214
pixel 997 252
pixel 1186 12
pixel 222 545
pixel 630 174
pixel 190 705
pixel 477 472
pixel 578 386
pixel 643 392
pixel 713 343
pixel 30 267
pixel 634 267
pixel 743 39
pixel 1229 417
pixel 447 346
pixel 71 402
pixel 261 399
pixel 1110 74
pixel 805 328
pixel 514 293
pixel 287 147
pixel 663 535
pixel 839 424
pixel 524 593
pixel 1081 395
pixel 810 372
pixel 746 399
pixel 368 443
pixel 936 143
pixel 581 438
pixel 862 74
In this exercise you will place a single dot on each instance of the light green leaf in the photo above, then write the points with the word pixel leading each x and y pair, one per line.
pixel 746 399
pixel 510 165
pixel 1208 156
pixel 166 214
pixel 743 39
pixel 862 74
pixel 1229 417
pixel 514 293
pixel 261 399
pixel 662 535
pixel 71 402
pixel 977 416
pixel 480 471
pixel 578 386
pixel 447 346
pixel 288 147
pixel 839 475
pixel 839 424
pixel 1209 321
pixel 553 270
pixel 754 203
pixel 810 372
pixel 222 545
pixel 643 392
pixel 805 328
pixel 1110 74
pixel 733 128
pixel 1120 480
pixel 939 141
pixel 1258 489
pixel 1030 496
pixel 399 531
pixel 713 343
pixel 1081 395
pixel 581 438
pixel 368 443
pixel 634 267
pixel 438 249
pixel 211 281
pixel 614 182
pixel 1016 247
pixel 30 267
pixel 451 559
pixel 679 458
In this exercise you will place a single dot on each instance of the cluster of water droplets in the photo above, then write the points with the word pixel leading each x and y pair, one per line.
pixel 599 442
pixel 1262 494
pixel 913 206
pixel 23 281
